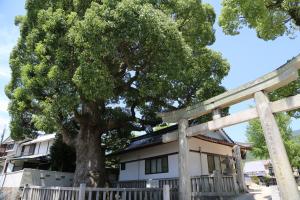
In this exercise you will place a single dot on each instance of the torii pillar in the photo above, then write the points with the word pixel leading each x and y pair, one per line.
pixel 183 158
pixel 282 168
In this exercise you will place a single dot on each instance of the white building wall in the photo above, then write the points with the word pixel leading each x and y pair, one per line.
pixel 42 147
pixel 135 160
pixel 13 151
pixel 194 164
pixel 210 147
pixel 148 152
pixel 12 179
pixel 131 171
pixel 204 164
pixel 136 170
pixel 18 149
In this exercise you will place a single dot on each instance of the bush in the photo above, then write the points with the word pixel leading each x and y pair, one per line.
pixel 255 180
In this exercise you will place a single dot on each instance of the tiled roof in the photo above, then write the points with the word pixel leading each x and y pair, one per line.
pixel 41 138
pixel 155 138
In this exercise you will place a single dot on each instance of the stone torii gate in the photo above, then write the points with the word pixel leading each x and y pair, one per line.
pixel 264 110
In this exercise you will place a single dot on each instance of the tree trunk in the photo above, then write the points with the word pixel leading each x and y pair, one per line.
pixel 90 157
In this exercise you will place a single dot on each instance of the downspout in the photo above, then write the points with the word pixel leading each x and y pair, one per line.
pixel 139 167
pixel 200 153
pixel 47 147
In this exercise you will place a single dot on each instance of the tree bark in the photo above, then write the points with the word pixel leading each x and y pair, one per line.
pixel 90 157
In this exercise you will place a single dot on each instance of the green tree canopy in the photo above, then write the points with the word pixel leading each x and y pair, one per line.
pixel 256 137
pixel 270 18
pixel 90 69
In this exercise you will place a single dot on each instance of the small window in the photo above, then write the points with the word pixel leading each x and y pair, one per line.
pixel 23 149
pixel 10 146
pixel 156 165
pixel 271 172
pixel 31 149
pixel 224 161
pixel 123 166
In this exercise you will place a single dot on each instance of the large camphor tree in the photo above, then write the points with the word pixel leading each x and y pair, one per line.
pixel 270 18
pixel 93 71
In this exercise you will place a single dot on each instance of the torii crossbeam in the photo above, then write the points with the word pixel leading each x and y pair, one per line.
pixel 264 110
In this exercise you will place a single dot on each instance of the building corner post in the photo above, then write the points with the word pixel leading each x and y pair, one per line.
pixel 183 159
pixel 283 172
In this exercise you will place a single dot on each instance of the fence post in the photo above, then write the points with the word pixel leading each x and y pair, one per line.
pixel 236 187
pixel 82 191
pixel 24 192
pixel 166 192
pixel 124 194
pixel 218 183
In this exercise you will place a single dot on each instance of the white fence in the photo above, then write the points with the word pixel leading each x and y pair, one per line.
pixel 86 193
pixel 216 185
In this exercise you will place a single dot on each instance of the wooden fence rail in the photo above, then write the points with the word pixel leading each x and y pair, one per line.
pixel 130 184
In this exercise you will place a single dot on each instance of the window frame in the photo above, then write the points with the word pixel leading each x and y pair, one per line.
pixel 10 147
pixel 31 149
pixel 164 161
pixel 123 166
pixel 213 162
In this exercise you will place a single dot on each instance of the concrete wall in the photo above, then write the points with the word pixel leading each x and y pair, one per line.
pixel 36 177
pixel 10 183
pixel 11 179
pixel 135 168
pixel 47 178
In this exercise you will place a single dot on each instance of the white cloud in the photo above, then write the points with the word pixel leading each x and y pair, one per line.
pixel 4 71
pixel 4 123
pixel 3 105
pixel 8 41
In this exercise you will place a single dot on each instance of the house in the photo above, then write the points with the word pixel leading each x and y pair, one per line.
pixel 33 154
pixel 262 168
pixel 258 168
pixel 28 162
pixel 28 153
pixel 9 149
pixel 154 156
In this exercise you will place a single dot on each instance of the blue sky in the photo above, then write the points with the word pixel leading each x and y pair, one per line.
pixel 8 38
pixel 248 56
